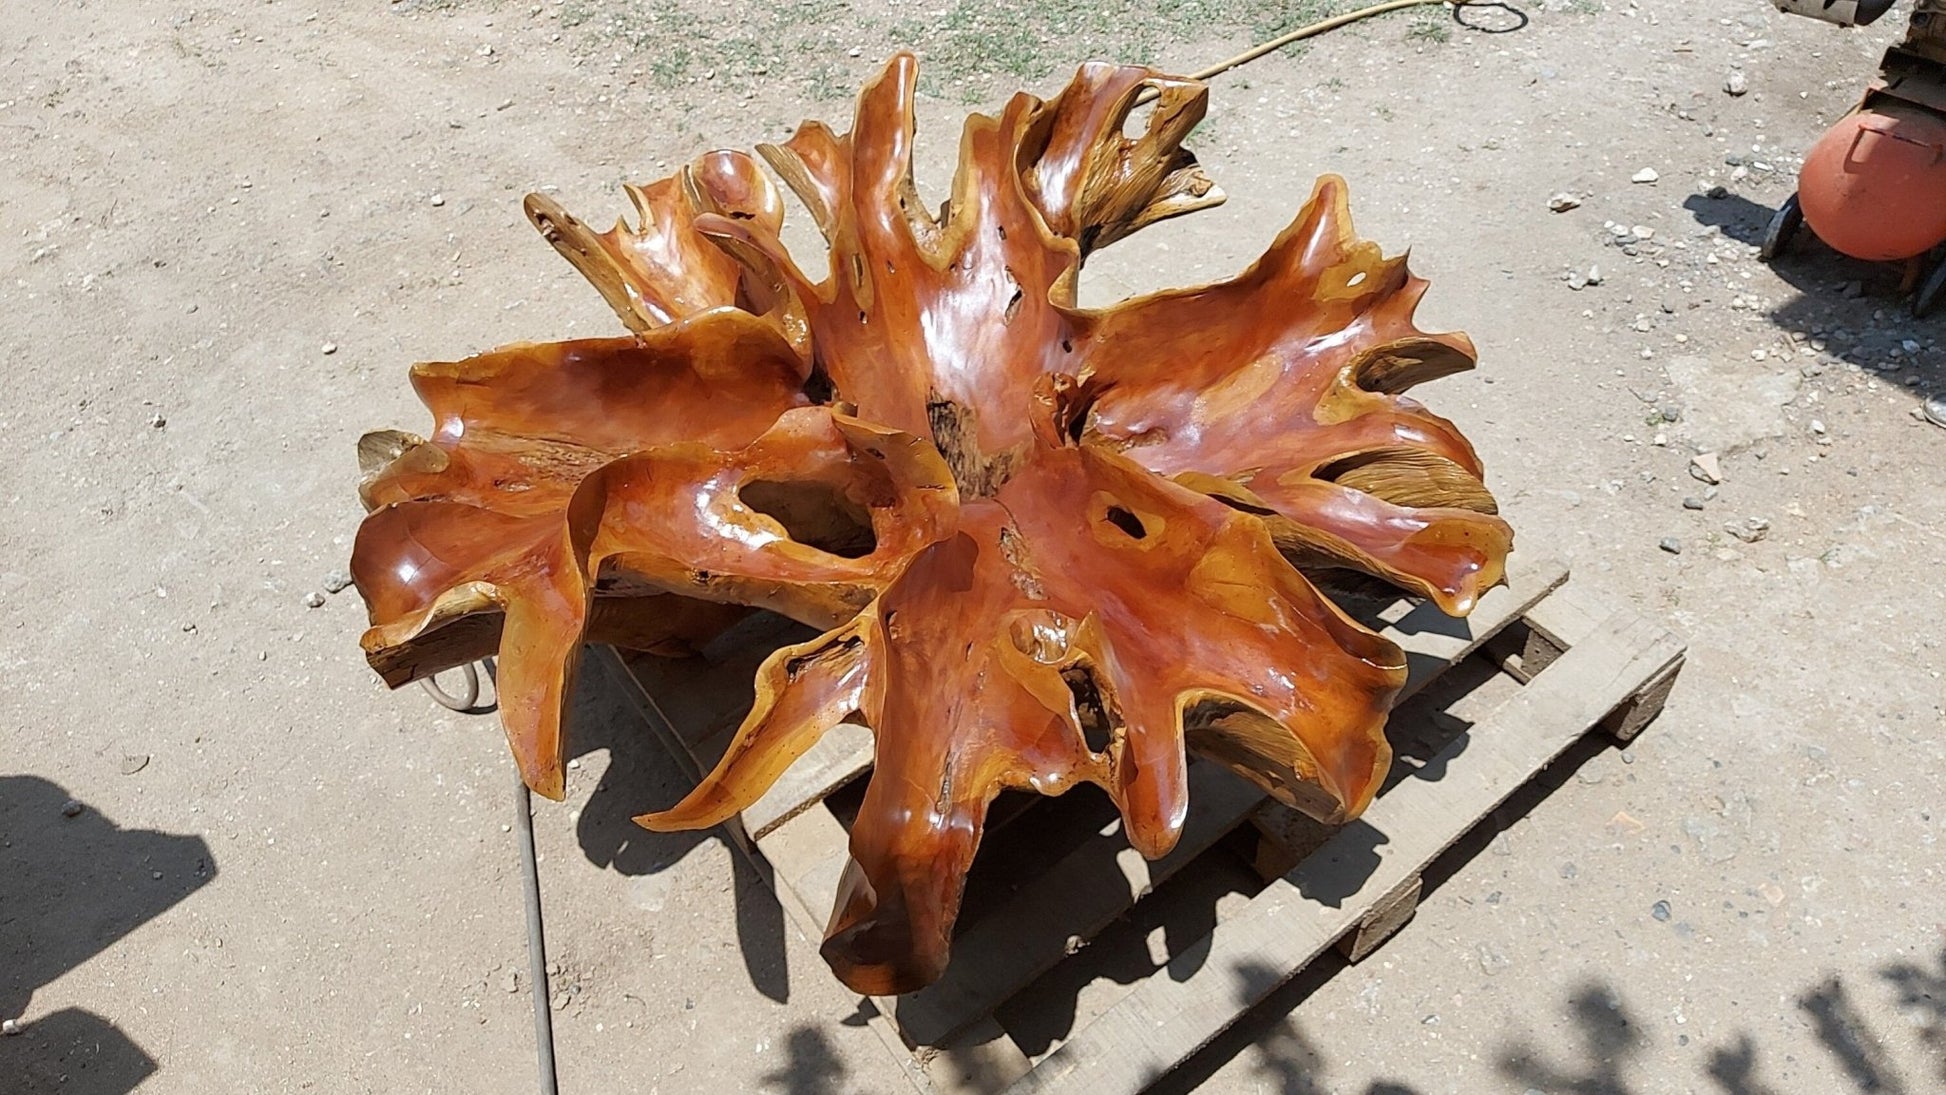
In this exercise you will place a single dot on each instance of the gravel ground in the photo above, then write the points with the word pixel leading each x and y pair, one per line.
pixel 231 861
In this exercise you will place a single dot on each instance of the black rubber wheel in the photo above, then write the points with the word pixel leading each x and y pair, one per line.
pixel 1783 229
pixel 1930 291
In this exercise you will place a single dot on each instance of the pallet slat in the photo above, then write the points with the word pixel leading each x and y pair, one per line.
pixel 1166 1018
pixel 1058 912
pixel 1099 881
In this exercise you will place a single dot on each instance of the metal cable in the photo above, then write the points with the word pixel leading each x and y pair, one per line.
pixel 536 937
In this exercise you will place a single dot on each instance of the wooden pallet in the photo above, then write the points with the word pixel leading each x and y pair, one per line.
pixel 1278 887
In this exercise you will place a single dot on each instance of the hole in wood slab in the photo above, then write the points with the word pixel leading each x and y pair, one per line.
pixel 814 514
pixel 1136 125
pixel 1127 522
pixel 1090 708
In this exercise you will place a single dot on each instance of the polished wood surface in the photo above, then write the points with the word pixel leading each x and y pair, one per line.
pixel 1046 545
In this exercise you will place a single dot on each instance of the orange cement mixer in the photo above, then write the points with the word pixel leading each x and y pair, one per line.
pixel 1874 186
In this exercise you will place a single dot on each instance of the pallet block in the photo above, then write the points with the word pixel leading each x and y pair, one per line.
pixel 1581 668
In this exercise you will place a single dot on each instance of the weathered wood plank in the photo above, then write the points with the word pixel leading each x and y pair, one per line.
pixel 840 756
pixel 806 854
pixel 1434 643
pixel 1062 909
pixel 1384 919
pixel 1167 1018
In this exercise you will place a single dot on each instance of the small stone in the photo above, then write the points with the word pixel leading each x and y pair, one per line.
pixel 133 763
pixel 1492 960
pixel 1670 412
pixel 1853 290
pixel 72 808
pixel 1736 84
pixel 1705 467
pixel 561 1000
pixel 1646 175
pixel 1594 275
pixel 1642 232
pixel 190 308
pixel 1692 502
pixel 511 982
pixel 1577 281
pixel 328 349
pixel 1817 427
pixel 1569 871
pixel 1671 545
pixel 1717 192
pixel 438 199
pixel 157 421
pixel 855 51
pixel 157 875
pixel 337 581
pixel 1750 531
pixel 314 599
pixel 1660 910
pixel 504 104
pixel 9 1027
pixel 1562 202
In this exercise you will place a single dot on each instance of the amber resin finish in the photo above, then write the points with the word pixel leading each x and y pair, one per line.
pixel 1048 544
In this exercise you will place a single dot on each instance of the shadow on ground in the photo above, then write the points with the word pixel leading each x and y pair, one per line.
pixel 643 776
pixel 72 883
pixel 813 1068
pixel 1856 307
pixel 1610 1041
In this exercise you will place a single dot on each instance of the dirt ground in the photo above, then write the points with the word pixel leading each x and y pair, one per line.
pixel 226 232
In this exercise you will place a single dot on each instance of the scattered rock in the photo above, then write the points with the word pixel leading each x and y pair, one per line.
pixel 1660 910
pixel 1577 281
pixel 1706 467
pixel 1737 84
pixel 133 763
pixel 1817 427
pixel 1642 232
pixel 1492 959
pixel 561 1000
pixel 1731 402
pixel 511 982
pixel 314 599
pixel 337 581
pixel 1717 192
pixel 1750 531
pixel 1670 412
pixel 157 421
pixel 1562 202
pixel 1646 175
pixel 1853 290
pixel 328 349
pixel 72 808
pixel 1671 545
pixel 1692 502
pixel 1594 275
pixel 438 199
